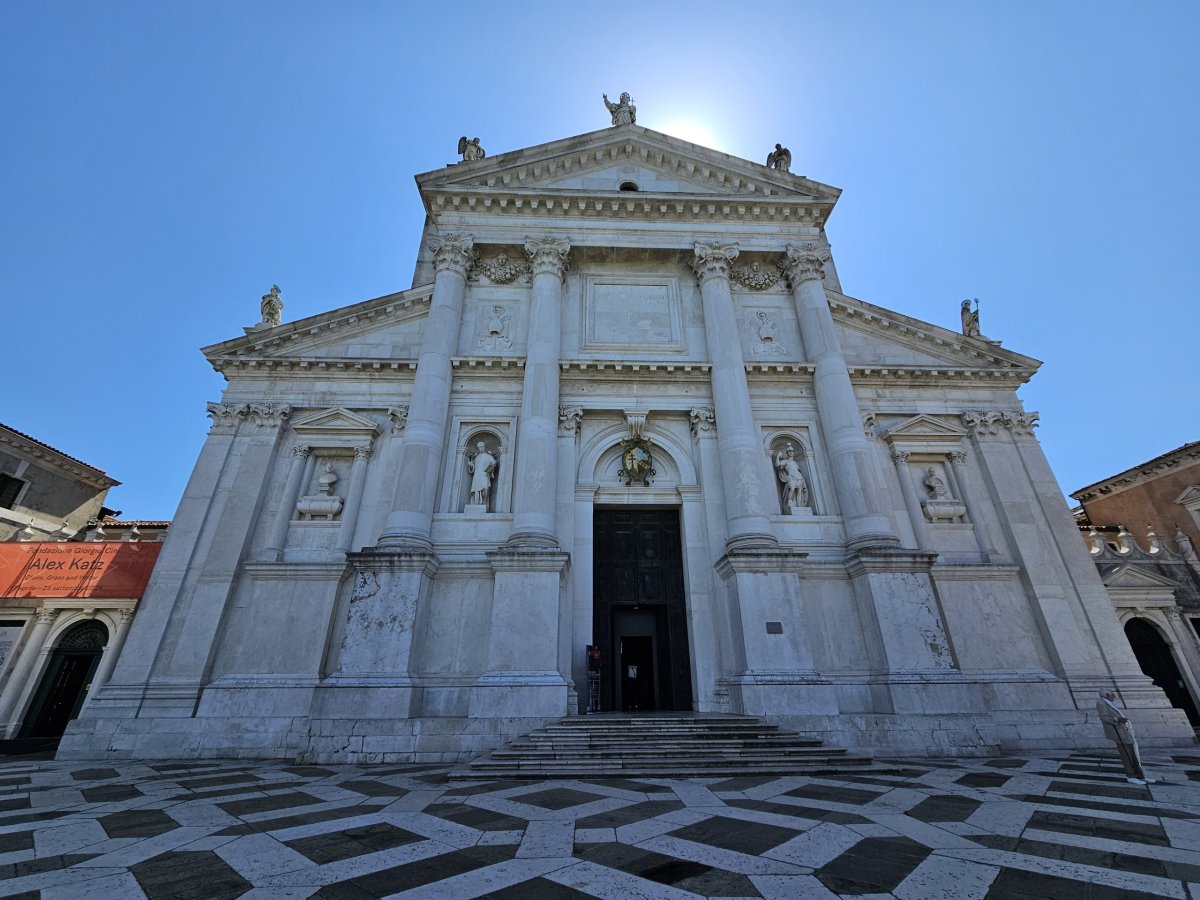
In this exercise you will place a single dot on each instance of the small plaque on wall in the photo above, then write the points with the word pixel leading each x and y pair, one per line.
pixel 774 628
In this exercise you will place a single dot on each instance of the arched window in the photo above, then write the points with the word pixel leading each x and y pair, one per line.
pixel 628 186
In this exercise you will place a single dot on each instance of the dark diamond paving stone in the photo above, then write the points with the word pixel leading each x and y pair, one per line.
pixel 1013 884
pixel 137 823
pixel 1110 829
pixel 1092 777
pixel 894 780
pixel 1119 862
pixel 335 845
pixel 10 782
pixel 309 818
pixel 1132 792
pixel 25 895
pixel 556 798
pixel 267 804
pixel 834 794
pixel 873 865
pixel 804 812
pixel 485 788
pixel 474 817
pixel 743 782
pixel 43 864
pixel 684 874
pixel 982 780
pixel 1078 803
pixel 16 840
pixel 537 889
pixel 232 790
pixel 189 875
pixel 944 809
pixel 735 834
pixel 95 774
pixel 629 784
pixel 625 815
pixel 111 793
pixel 1193 776
pixel 1006 763
pixel 373 788
pixel 217 781
pixel 415 874
pixel 38 817
pixel 307 771
pixel 14 803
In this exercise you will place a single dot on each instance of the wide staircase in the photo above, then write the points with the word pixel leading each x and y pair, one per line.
pixel 662 745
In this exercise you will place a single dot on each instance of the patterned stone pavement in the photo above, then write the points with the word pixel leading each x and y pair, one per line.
pixel 1060 827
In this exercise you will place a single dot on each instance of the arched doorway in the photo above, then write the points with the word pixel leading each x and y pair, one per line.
pixel 68 676
pixel 1154 656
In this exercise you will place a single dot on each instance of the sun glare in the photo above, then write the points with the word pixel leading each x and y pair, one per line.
pixel 691 131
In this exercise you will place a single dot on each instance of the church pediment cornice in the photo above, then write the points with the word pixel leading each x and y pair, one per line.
pixel 297 335
pixel 707 170
pixel 975 353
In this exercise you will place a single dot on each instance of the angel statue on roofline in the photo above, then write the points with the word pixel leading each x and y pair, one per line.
pixel 469 149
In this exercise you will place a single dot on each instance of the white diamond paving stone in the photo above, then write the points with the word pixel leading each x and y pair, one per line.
pixel 613 884
pixel 484 880
pixel 791 887
pixel 1149 884
pixel 107 887
pixel 923 832
pixel 817 846
pixel 69 838
pixel 943 878
pixel 259 856
pixel 729 860
pixel 547 839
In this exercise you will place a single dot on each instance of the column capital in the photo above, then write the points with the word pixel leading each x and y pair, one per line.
pixel 47 616
pixel 301 451
pixel 363 452
pixel 713 260
pixel 453 252
pixel 805 262
pixel 957 456
pixel 900 456
pixel 548 256
pixel 124 616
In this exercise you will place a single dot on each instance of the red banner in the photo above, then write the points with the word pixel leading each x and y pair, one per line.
pixel 102 570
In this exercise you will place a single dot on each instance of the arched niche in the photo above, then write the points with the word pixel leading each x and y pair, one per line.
pixel 777 441
pixel 600 459
pixel 495 442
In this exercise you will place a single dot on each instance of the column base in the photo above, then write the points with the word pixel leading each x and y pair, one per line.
pixel 510 695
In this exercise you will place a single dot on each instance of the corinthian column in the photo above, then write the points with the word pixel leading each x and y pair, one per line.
pixel 537 434
pixel 860 489
pixel 411 518
pixel 738 447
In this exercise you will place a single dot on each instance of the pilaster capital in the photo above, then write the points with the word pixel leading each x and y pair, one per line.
pixel 453 252
pixel 548 256
pixel 399 417
pixel 900 456
pixel 702 419
pixel 267 415
pixel 125 616
pixel 301 451
pixel 363 452
pixel 805 262
pixel 713 259
pixel 47 616
pixel 957 457
pixel 569 418
pixel 225 416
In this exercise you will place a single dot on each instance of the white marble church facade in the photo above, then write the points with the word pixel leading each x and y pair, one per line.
pixel 625 405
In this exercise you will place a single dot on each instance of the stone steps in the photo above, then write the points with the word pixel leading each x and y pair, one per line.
pixel 660 746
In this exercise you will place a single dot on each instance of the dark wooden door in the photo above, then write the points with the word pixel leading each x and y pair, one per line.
pixel 61 692
pixel 1154 656
pixel 638 593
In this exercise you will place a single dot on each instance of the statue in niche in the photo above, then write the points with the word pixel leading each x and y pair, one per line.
pixel 470 149
pixel 497 324
pixel 323 504
pixel 795 488
pixel 767 345
pixel 623 112
pixel 272 308
pixel 481 466
pixel 970 318
pixel 780 158
pixel 934 485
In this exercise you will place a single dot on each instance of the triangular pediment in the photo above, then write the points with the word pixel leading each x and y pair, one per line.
pixel 872 336
pixel 337 420
pixel 925 428
pixel 1131 577
pixel 1190 497
pixel 601 161
pixel 387 327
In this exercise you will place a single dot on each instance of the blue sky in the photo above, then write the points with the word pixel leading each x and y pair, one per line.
pixel 163 163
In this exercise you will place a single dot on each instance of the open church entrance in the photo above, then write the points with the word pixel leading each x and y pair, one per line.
pixel 639 612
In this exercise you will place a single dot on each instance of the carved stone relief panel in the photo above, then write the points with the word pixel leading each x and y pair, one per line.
pixel 634 314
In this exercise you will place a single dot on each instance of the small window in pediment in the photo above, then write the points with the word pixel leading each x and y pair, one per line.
pixel 628 186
